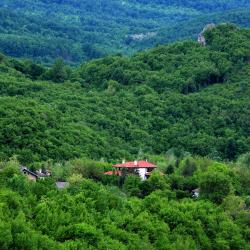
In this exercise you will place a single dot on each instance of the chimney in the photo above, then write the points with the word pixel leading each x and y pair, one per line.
pixel 135 163
pixel 123 161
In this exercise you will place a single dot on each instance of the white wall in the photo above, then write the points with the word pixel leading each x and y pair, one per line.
pixel 142 173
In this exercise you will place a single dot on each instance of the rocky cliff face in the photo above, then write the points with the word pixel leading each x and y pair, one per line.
pixel 201 37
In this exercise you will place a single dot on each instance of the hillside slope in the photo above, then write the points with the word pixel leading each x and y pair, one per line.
pixel 82 30
pixel 181 96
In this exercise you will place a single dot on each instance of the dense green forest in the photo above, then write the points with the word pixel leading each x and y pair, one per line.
pixel 81 30
pixel 110 213
pixel 184 107
pixel 185 96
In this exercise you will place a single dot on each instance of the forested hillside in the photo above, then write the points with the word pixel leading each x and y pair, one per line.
pixel 81 30
pixel 185 96
pixel 97 212
pixel 184 107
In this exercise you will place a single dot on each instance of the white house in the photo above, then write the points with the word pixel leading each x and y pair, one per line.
pixel 142 168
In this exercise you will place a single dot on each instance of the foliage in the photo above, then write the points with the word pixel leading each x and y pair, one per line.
pixel 183 106
pixel 244 161
pixel 215 186
pixel 184 97
pixel 81 30
pixel 139 215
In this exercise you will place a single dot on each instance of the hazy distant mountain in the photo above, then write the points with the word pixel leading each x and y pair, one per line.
pixel 81 30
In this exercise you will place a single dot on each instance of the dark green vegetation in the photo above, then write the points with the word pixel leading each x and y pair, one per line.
pixel 183 96
pixel 80 30
pixel 159 104
pixel 99 212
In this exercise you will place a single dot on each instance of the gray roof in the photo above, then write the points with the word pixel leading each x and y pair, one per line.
pixel 62 184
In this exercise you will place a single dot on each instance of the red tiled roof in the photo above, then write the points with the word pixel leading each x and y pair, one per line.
pixel 116 172
pixel 135 164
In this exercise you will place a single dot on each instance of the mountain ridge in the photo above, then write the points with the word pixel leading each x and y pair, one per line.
pixel 81 31
pixel 185 96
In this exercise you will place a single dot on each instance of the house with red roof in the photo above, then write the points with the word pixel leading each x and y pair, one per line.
pixel 142 168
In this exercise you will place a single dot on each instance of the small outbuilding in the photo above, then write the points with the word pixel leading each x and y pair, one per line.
pixel 62 184
pixel 34 175
pixel 30 174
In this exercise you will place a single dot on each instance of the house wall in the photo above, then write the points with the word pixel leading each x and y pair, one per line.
pixel 31 177
pixel 142 173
